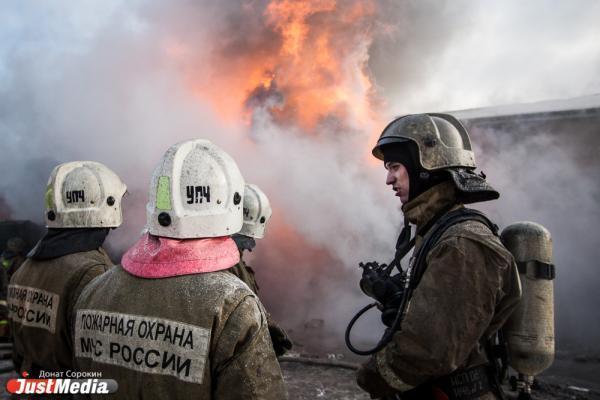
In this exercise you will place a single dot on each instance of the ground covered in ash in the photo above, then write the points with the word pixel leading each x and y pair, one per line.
pixel 331 376
pixel 306 381
pixel 574 378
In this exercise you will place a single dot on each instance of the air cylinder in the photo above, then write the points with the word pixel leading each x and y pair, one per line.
pixel 529 331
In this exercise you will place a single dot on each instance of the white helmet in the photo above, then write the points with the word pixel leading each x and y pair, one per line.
pixel 196 191
pixel 257 211
pixel 84 194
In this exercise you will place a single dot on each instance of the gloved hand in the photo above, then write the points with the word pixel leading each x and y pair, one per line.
pixel 371 382
pixel 377 283
pixel 281 341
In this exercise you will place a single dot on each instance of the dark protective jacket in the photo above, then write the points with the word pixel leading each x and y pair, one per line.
pixel 281 341
pixel 3 284
pixel 469 288
pixel 41 296
pixel 197 336
pixel 245 273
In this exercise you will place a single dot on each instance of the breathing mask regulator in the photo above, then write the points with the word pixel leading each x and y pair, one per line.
pixel 378 282
pixel 391 292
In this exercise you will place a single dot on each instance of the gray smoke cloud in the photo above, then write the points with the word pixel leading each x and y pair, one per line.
pixel 543 176
pixel 453 55
pixel 119 82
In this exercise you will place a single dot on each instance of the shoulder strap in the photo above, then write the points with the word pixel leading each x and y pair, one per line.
pixel 437 230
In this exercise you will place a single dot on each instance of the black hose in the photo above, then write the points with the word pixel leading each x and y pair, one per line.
pixel 389 333
pixel 403 246
pixel 387 336
pixel 349 328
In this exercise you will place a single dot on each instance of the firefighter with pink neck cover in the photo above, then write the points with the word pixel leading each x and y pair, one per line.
pixel 170 321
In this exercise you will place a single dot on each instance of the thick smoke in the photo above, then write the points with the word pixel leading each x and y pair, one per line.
pixel 155 75
pixel 454 55
pixel 543 177
pixel 119 83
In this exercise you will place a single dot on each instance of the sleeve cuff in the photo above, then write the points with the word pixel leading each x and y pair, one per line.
pixel 389 375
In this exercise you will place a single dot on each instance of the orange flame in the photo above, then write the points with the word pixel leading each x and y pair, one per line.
pixel 318 78
pixel 315 70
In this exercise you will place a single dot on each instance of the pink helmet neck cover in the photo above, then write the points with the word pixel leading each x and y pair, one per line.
pixel 161 257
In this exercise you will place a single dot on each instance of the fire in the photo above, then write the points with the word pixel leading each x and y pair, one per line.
pixel 310 66
pixel 289 18
pixel 317 77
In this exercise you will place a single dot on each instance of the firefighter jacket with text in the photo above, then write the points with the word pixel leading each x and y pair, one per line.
pixel 198 335
pixel 41 296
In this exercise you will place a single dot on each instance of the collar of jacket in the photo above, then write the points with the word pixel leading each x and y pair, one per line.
pixel 160 257
pixel 428 204
pixel 58 242
pixel 243 242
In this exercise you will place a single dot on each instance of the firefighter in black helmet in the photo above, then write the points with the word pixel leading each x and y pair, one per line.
pixel 463 284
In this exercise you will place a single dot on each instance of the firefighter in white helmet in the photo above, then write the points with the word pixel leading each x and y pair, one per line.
pixel 462 282
pixel 257 211
pixel 170 321
pixel 83 202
